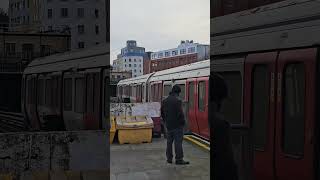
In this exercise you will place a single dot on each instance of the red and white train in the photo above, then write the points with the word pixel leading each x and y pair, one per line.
pixel 269 57
pixel 193 80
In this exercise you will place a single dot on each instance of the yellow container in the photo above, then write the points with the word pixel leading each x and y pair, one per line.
pixel 112 129
pixel 134 129
pixel 135 136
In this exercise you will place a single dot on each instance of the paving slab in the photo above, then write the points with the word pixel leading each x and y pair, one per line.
pixel 147 161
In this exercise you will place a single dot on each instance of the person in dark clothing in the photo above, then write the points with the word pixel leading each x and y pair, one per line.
pixel 172 115
pixel 224 166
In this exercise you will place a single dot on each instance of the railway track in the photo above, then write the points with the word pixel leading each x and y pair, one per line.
pixel 11 122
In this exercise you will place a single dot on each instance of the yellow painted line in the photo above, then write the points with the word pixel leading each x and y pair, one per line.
pixel 206 147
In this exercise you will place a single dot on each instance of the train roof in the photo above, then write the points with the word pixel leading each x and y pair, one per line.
pixel 198 69
pixel 140 79
pixel 97 56
pixel 283 25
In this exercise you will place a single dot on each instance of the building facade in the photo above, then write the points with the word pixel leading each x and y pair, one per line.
pixel 18 49
pixel 85 20
pixel 25 15
pixel 130 59
pixel 187 52
pixel 146 62
pixel 4 22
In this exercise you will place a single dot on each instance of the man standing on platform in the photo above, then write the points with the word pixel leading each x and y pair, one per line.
pixel 172 115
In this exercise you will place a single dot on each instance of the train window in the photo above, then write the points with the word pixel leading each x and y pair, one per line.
pixel 183 91
pixel 90 93
pixel 201 95
pixel 54 92
pixel 40 92
pixel 79 95
pixel 293 109
pixel 191 95
pixel 231 107
pixel 260 105
pixel 48 91
pixel 167 90
pixel 67 94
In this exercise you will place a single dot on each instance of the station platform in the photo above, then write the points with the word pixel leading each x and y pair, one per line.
pixel 148 162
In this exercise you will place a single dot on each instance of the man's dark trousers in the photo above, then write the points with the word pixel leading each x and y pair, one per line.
pixel 176 136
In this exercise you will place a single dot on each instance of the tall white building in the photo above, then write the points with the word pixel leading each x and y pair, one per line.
pixel 130 59
pixel 84 19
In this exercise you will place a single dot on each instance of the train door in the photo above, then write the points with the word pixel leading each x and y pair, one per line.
pixel 191 97
pixel 182 96
pixel 73 101
pixel 31 109
pixel 259 108
pixel 295 114
pixel 202 106
pixel 93 97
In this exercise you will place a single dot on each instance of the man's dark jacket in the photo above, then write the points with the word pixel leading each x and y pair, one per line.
pixel 171 112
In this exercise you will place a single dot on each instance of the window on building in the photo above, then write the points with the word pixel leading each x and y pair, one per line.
pixel 129 60
pixel 96 13
pixel 260 105
pixel 167 54
pixel 139 65
pixel 10 48
pixel 160 55
pixel 80 45
pixel 191 50
pixel 129 65
pixel 293 109
pixel 175 52
pixel 97 29
pixel 125 65
pixel 135 70
pixel 118 76
pixel 79 95
pixel 80 12
pixel 64 12
pixel 49 13
pixel 80 29
pixel 125 60
pixel 182 51
pixel 135 60
pixel 135 65
pixel 97 43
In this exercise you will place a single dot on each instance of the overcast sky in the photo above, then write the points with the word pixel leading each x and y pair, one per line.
pixel 158 24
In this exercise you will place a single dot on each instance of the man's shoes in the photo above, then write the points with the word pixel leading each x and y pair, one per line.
pixel 169 161
pixel 182 162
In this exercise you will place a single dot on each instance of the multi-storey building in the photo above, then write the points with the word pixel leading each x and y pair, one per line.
pixel 130 59
pixel 85 20
pixel 187 52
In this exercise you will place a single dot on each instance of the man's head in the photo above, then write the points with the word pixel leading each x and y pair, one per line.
pixel 175 90
pixel 218 89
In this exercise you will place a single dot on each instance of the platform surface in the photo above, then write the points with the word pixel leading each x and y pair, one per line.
pixel 148 162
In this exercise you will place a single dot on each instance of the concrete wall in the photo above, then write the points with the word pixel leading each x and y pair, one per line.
pixel 24 155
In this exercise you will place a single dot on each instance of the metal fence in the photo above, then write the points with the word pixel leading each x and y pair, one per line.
pixel 243 150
